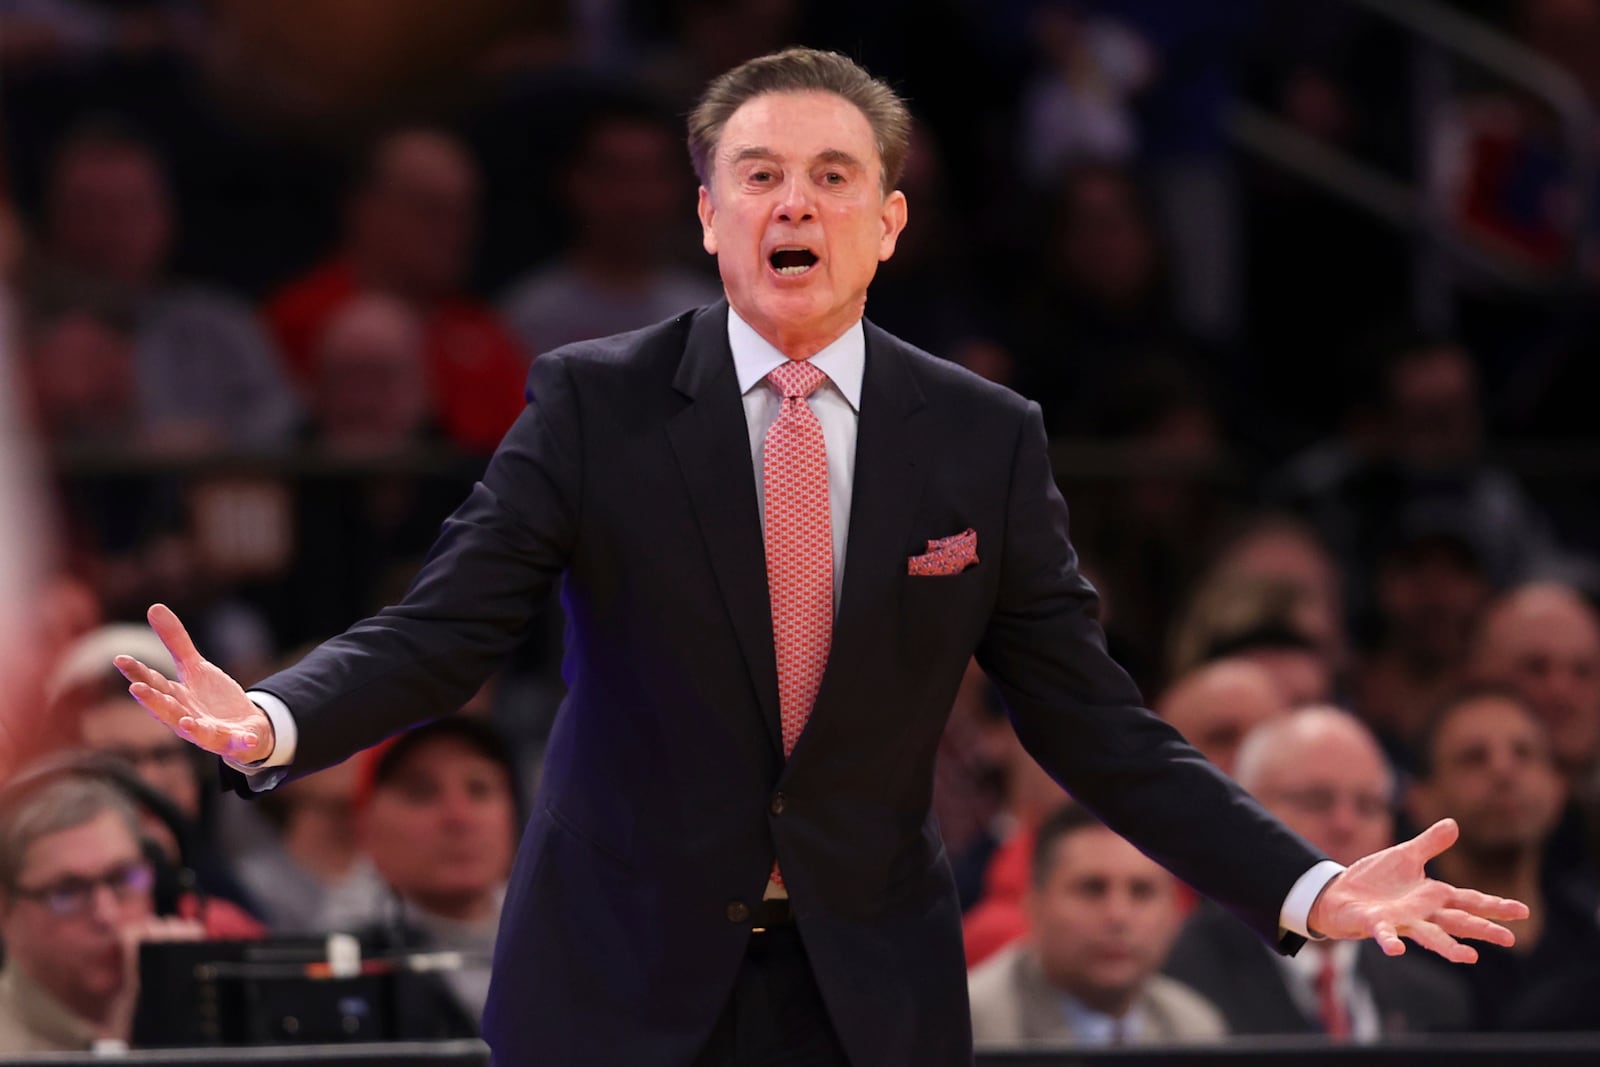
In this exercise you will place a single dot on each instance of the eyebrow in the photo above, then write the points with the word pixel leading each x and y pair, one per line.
pixel 828 155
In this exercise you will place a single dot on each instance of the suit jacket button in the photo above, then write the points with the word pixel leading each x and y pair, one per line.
pixel 738 911
pixel 776 807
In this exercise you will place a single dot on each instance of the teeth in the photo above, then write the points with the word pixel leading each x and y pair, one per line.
pixel 791 271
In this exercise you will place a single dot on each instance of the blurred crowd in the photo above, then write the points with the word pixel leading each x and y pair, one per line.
pixel 272 282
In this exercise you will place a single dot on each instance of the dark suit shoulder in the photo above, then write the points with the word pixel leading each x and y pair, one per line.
pixel 942 378
pixel 658 346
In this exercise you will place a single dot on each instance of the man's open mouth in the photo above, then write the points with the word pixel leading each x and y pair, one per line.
pixel 791 261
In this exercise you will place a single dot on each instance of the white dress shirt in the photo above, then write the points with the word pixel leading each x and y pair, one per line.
pixel 837 405
pixel 1096 1029
pixel 1300 975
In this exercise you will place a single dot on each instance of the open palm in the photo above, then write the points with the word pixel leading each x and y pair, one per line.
pixel 1388 895
pixel 203 704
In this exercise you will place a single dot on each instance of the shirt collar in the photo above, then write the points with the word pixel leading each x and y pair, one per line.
pixel 1308 962
pixel 1092 1027
pixel 843 361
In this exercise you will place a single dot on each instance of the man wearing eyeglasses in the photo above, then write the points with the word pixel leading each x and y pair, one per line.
pixel 75 901
pixel 1321 771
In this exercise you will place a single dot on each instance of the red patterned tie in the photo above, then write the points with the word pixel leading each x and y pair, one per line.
pixel 799 544
pixel 1330 1005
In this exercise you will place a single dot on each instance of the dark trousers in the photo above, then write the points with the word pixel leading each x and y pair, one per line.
pixel 775 1017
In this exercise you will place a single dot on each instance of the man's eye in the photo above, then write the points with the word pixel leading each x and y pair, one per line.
pixel 761 176
pixel 833 177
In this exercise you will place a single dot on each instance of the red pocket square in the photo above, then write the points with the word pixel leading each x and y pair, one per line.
pixel 947 555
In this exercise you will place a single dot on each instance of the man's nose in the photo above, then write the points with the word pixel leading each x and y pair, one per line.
pixel 795 203
pixel 1119 908
pixel 104 907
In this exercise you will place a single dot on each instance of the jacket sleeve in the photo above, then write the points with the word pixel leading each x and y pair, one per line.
pixel 1080 715
pixel 491 566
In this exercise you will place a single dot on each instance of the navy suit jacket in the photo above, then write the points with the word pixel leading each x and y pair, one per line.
pixel 665 795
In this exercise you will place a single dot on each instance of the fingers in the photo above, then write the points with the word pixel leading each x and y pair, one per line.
pixel 1431 937
pixel 167 627
pixel 1435 839
pixel 1384 934
pixel 1459 923
pixel 1489 907
pixel 134 671
pixel 213 735
pixel 158 703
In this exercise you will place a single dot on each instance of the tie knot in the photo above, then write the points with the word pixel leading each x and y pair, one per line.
pixel 797 379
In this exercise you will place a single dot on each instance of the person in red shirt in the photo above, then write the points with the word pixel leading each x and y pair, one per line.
pixel 410 225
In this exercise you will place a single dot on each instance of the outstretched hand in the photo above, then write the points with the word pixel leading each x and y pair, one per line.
pixel 1388 895
pixel 203 704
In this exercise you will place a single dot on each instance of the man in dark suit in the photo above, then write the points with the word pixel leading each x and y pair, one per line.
pixel 1323 773
pixel 781 534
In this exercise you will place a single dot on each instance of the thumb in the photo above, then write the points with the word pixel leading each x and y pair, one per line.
pixel 1435 839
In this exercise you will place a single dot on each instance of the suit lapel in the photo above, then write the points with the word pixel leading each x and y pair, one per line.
pixel 887 485
pixel 712 443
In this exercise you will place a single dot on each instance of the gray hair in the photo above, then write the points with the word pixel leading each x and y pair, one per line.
pixel 802 70
pixel 57 804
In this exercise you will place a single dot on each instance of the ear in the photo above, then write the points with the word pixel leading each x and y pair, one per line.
pixel 708 213
pixel 894 220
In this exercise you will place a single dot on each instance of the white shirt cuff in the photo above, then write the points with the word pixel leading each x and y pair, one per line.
pixel 1295 915
pixel 265 774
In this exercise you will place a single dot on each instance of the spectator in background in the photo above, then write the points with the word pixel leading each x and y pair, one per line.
pixel 89 704
pixel 47 34
pixel 1103 916
pixel 410 224
pixel 1421 448
pixel 1488 763
pixel 308 865
pixel 1148 534
pixel 357 536
pixel 82 373
pixel 439 819
pixel 1320 771
pixel 206 376
pixel 623 193
pixel 369 388
pixel 1218 704
pixel 1098 304
pixel 122 531
pixel 706 37
pixel 1000 917
pixel 1544 641
pixel 1280 547
pixel 1264 621
pixel 75 902
pixel 1080 103
pixel 1431 590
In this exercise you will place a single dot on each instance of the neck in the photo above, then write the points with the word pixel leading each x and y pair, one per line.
pixel 804 340
pixel 322 841
pixel 1113 1002
pixel 1509 872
